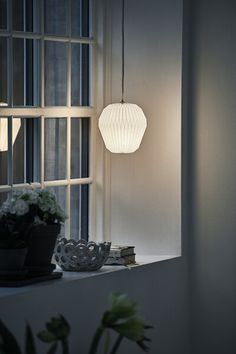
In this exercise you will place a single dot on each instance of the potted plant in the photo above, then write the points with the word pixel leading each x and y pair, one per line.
pixel 36 217
pixel 12 247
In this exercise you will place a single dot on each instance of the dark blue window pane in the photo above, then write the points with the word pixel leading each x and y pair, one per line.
pixel 80 11
pixel 3 14
pixel 56 17
pixel 55 73
pixel 80 128
pixel 3 70
pixel 25 72
pixel 80 75
pixel 79 212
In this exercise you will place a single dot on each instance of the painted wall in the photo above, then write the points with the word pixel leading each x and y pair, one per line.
pixel 212 169
pixel 145 192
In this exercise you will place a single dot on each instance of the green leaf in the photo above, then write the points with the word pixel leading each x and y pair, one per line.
pixel 59 327
pixel 9 344
pixel 65 325
pixel 121 306
pixel 29 341
pixel 46 336
pixel 53 349
pixel 107 342
pixel 133 329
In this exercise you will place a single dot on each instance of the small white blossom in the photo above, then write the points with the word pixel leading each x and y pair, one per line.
pixel 5 208
pixel 32 197
pixel 20 207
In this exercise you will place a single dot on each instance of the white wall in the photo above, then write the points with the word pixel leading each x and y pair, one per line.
pixel 211 148
pixel 145 192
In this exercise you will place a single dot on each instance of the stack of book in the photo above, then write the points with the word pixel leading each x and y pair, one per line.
pixel 121 255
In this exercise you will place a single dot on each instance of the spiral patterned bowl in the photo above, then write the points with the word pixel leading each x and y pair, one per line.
pixel 81 255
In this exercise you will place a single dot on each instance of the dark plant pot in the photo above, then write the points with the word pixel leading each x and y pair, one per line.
pixel 41 244
pixel 12 259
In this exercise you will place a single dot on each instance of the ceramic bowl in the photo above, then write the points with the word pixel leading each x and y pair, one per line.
pixel 81 255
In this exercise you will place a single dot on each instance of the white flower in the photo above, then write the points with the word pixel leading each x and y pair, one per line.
pixel 20 207
pixel 5 208
pixel 32 197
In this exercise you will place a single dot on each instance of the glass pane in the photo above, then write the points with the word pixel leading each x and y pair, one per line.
pixel 18 15
pixel 55 73
pixel 26 150
pixel 3 150
pixel 3 14
pixel 3 70
pixel 25 17
pixel 79 209
pixel 25 72
pixel 80 18
pixel 32 146
pixel 55 148
pixel 18 71
pixel 80 80
pixel 32 8
pixel 80 147
pixel 55 17
pixel 3 197
pixel 60 193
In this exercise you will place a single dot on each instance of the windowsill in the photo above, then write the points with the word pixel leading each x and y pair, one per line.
pixel 141 261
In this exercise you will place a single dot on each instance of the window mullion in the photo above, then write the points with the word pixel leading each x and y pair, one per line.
pixel 42 151
pixel 68 172
pixel 24 41
pixel 10 152
pixel 69 75
pixel 42 56
pixel 10 55
pixel 25 147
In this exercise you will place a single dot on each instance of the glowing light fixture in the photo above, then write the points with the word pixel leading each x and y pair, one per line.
pixel 4 130
pixel 123 124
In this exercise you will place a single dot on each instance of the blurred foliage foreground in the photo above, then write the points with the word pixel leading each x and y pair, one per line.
pixel 121 318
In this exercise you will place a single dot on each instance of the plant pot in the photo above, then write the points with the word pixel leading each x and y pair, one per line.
pixel 41 244
pixel 12 259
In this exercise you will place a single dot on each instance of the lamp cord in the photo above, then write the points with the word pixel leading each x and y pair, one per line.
pixel 123 49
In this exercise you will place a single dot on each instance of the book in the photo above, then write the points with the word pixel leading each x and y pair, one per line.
pixel 125 260
pixel 121 251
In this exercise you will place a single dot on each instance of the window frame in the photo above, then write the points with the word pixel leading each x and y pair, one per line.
pixel 43 112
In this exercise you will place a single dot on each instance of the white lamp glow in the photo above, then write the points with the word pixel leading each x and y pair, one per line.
pixel 122 126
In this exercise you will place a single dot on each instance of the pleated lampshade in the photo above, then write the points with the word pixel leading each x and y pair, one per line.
pixel 122 126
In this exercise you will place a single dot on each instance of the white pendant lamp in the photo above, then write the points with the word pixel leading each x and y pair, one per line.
pixel 123 124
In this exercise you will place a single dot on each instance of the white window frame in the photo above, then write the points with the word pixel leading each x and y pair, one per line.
pixel 68 112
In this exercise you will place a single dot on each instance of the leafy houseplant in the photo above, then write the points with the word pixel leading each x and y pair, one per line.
pixel 121 318
pixel 31 218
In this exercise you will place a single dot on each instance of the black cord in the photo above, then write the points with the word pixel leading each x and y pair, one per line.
pixel 123 49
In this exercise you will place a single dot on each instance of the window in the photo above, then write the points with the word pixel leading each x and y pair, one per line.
pixel 46 113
